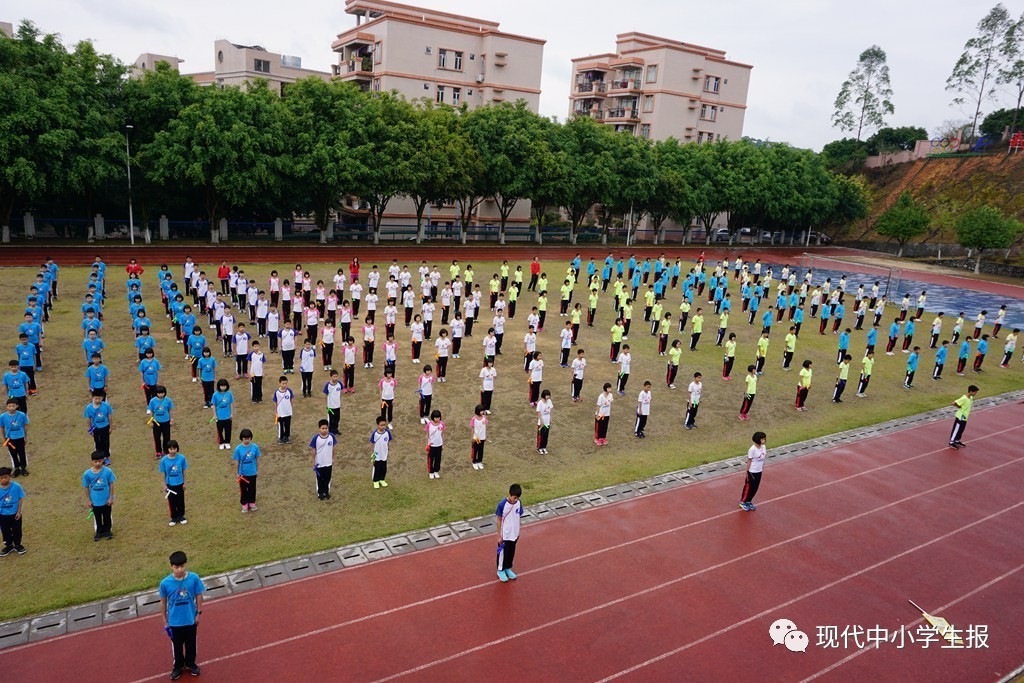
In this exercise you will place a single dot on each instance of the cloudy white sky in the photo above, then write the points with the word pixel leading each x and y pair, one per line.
pixel 801 49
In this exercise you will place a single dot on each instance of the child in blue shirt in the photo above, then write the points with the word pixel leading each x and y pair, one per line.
pixel 144 342
pixel 160 409
pixel 91 322
pixel 872 339
pixel 12 503
pixel 98 482
pixel 246 457
pixel 97 373
pixel 912 359
pixel 150 368
pixel 222 405
pixel 140 320
pixel 798 320
pixel 16 383
pixel 982 349
pixel 962 354
pixel 35 336
pixel 26 355
pixel 92 346
pixel 837 314
pixel 908 334
pixel 172 466
pixel 13 425
pixel 940 359
pixel 98 413
pixel 766 320
pixel 194 345
pixel 181 603
pixel 844 345
pixel 206 366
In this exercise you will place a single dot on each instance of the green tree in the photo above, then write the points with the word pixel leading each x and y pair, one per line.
pixel 864 97
pixel 634 182
pixel 588 150
pixel 323 128
pixel 903 221
pixel 975 74
pixel 546 190
pixel 229 144
pixel 1011 71
pixel 846 154
pixel 672 196
pixel 889 140
pixel 985 228
pixel 514 154
pixel 853 199
pixel 996 122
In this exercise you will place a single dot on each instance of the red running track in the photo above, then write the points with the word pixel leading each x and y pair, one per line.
pixel 677 585
pixel 117 256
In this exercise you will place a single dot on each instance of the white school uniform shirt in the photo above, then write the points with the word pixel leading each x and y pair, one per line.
pixel 457 288
pixel 283 399
pixel 624 361
pixel 428 311
pixel 369 332
pixel 332 302
pixel 443 345
pixel 339 281
pixel 499 324
pixel 1000 316
pixel 345 315
pixel 256 361
pixel 371 301
pixel 435 433
pixel 262 308
pixel 533 320
pixel 643 401
pixel 333 391
pixel 479 425
pixel 273 321
pixel 241 285
pixel 307 284
pixel 286 293
pixel 695 391
pixel 380 441
pixel 274 284
pixel 297 276
pixel 756 455
pixel 373 279
pixel 394 270
pixel 312 317
pixel 392 288
pixel 544 407
pixel 979 322
pixel 531 341
pixel 490 345
pixel 320 294
pixel 920 301
pixel 350 354
pixel 936 326
pixel 232 279
pixel 604 404
pixel 416 331
pixel 287 339
pixel 218 310
pixel 426 383
pixel 816 298
pixel 242 343
pixel 408 298
pixel 458 328
pixel 404 278
pixel 487 376
pixel 566 335
pixel 435 277
pixel 390 315
pixel 424 272
pixel 387 388
pixel 499 306
pixel 446 297
pixel 536 370
pixel 477 296
pixel 211 297
pixel 578 367
pixel 306 358
pixel 327 335
pixel 227 324
pixel 425 290
pixel 356 290
pixel 391 351
pixel 251 295
pixel 468 308
pixel 189 268
pixel 324 448
pixel 879 306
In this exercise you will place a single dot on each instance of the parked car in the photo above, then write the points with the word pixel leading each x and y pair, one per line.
pixel 820 238
pixel 720 235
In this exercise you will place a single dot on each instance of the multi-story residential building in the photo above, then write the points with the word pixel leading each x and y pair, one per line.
pixel 147 61
pixel 7 29
pixel 448 58
pixel 241 64
pixel 658 88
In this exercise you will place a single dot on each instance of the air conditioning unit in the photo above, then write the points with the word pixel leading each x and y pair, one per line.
pixel 426 50
pixel 480 78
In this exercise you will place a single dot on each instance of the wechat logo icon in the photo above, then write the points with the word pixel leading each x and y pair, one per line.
pixel 785 632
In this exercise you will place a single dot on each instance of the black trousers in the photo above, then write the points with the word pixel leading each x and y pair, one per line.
pixel 937 372
pixel 787 358
pixel 691 413
pixel 256 388
pixel 577 387
pixel 16 447
pixel 623 379
pixel 750 486
pixel 284 427
pixel 862 385
pixel 837 394
pixel 425 405
pixel 323 480
pixel 161 435
pixel 247 490
pixel 641 423
pixel 176 501
pixel 601 427
pixel 442 366
pixel 748 402
pixel 542 436
pixel 507 555
pixel 183 643
pixel 958 430
pixel 307 383
pixel 387 409
pixel 534 391
pixel 30 370
pixel 478 450
pixel 333 418
pixel 101 519
pixel 434 459
pixel 223 431
pixel 101 439
pixel 288 359
pixel 11 530
pixel 694 338
pixel 380 470
pixel 207 391
pixel 485 399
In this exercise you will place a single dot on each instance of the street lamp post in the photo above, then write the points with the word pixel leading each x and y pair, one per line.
pixel 128 163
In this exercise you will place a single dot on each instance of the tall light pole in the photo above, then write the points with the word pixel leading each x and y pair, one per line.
pixel 128 163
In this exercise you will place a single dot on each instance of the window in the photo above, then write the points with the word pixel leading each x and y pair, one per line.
pixel 376 85
pixel 456 96
pixel 378 52
pixel 261 65
pixel 645 131
pixel 652 73
pixel 458 61
pixel 648 103
pixel 708 112
pixel 440 93
pixel 711 83
pixel 442 60
pixel 705 137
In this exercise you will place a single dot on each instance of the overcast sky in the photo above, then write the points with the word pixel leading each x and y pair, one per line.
pixel 801 50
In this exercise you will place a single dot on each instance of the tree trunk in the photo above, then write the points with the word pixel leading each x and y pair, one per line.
pixel 977 263
pixel 899 253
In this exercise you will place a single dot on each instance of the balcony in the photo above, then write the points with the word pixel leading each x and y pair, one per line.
pixel 595 113
pixel 591 87
pixel 353 41
pixel 622 114
pixel 625 84
pixel 358 69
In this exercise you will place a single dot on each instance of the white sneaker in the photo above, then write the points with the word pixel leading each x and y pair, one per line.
pixel 480 465
pixel 390 426
pixel 194 380
pixel 171 523
pixel 487 412
pixel 182 521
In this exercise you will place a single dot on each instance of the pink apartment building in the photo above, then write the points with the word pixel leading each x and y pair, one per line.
pixel 447 58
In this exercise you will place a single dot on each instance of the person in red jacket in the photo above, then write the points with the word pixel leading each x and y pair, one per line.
pixel 353 268
pixel 224 275
pixel 534 273
pixel 133 268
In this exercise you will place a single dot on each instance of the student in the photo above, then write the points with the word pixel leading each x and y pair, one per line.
pixel 307 358
pixel 618 331
pixel 1000 319
pixel 487 375
pixel 443 346
pixel 478 429
pixel 751 392
pixel 241 342
pixel 92 345
pixel 624 361
pixel 544 407
pixel 536 369
pixel 579 366
pixel 246 457
pixel 172 470
pixel 181 603
pixel 98 482
pixel 322 445
pixel 961 360
pixel 894 333
pixel 97 374
pixel 283 398
pixel 603 414
pixel 756 456
pixel 674 355
pixel 697 325
pixel 844 345
pixel 425 388
pixel 327 345
pixel 387 386
pixel 257 361
pixel 762 352
pixel 348 352
pixel 1009 347
pixel 26 357
pixel 435 443
pixel 287 336
pixel 508 512
pixel 940 359
pixel 908 335
pixel 979 323
pixel 381 439
pixel 98 413
pixel 871 339
pixel 16 383
pixel 222 401
pixel 936 331
pixel 160 409
pixel 207 368
pixel 693 404
pixel 333 390
pixel 13 433
pixel 867 365
pixel 982 349
pixel 963 406
pixel 369 336
pixel 804 386
pixel 843 375
pixel 12 506
pixel 643 410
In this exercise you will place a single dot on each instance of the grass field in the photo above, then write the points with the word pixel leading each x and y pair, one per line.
pixel 64 566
